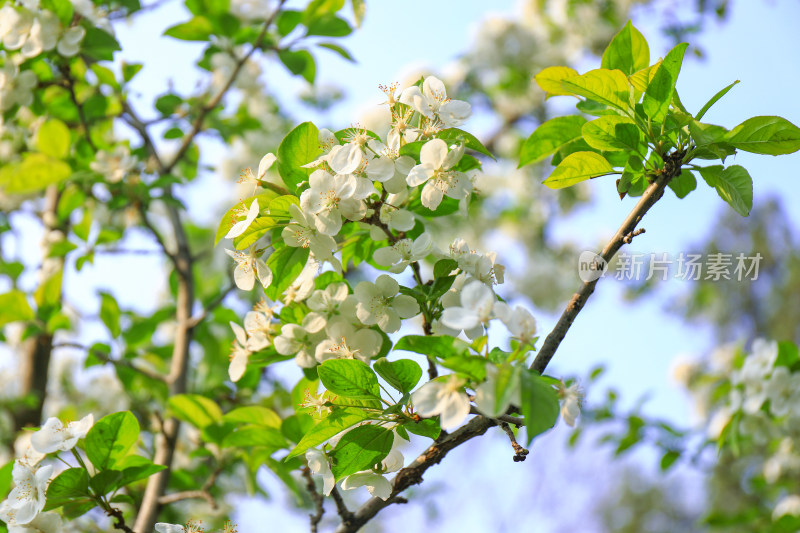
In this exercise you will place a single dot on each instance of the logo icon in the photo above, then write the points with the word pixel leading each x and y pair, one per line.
pixel 591 266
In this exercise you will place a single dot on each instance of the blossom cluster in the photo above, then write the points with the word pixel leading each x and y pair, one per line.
pixel 22 509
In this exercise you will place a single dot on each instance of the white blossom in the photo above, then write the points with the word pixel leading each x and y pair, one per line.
pixel 334 302
pixel 54 436
pixel 249 265
pixel 240 353
pixel 788 505
pixel 379 303
pixel 318 464
pixel 163 527
pixel 330 198
pixel 432 101
pixel 241 226
pixel 27 498
pixel 434 171
pixel 346 342
pixel 70 43
pixel 49 522
pixel 16 88
pixel 303 233
pixel 570 403
pixel 297 341
pixel 114 165
pixel 444 397
pixel 404 252
pixel 477 303
pixel 519 321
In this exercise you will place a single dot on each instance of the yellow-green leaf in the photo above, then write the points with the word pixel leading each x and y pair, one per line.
pixel 576 168
pixel 609 87
pixel 35 172
pixel 612 133
pixel 628 51
pixel 549 137
pixel 53 138
pixel 766 135
pixel 550 78
pixel 14 307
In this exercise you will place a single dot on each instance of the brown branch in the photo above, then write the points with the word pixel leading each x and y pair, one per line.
pixel 412 474
pixel 519 452
pixel 104 357
pixel 515 421
pixel 341 507
pixel 317 498
pixel 120 520
pixel 672 168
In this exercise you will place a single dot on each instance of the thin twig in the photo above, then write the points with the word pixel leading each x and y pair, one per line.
pixel 104 357
pixel 204 492
pixel 120 520
pixel 81 115
pixel 317 498
pixel 515 421
pixel 519 452
pixel 626 231
pixel 341 507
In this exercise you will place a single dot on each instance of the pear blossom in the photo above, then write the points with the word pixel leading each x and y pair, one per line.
pixel 379 303
pixel 240 353
pixel 301 288
pixel 345 158
pixel 249 265
pixel 435 172
pixel 249 216
pixel 330 198
pixel 27 498
pixel 43 35
pixel 570 402
pixel 477 303
pixel 303 233
pixel 376 483
pixel 16 88
pixel 25 452
pixel 404 252
pixel 327 140
pixel 432 102
pixel 54 436
pixel 263 166
pixel 318 464
pixel 48 522
pixel 346 342
pixel 486 393
pixel 70 43
pixel 114 165
pixel 15 26
pixel 783 391
pixel 393 216
pixel 296 340
pixel 444 397
pixel 332 303
pixel 519 321
pixel 258 326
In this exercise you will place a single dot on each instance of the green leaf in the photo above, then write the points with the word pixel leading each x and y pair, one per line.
pixel 359 449
pixel 299 147
pixel 668 459
pixel 48 294
pixel 287 20
pixel 168 103
pixel 788 356
pixel 14 307
pixel 628 51
pixel 35 172
pixel 70 484
pixel 6 478
pixel 549 80
pixel 433 346
pixel 444 267
pixel 62 8
pixel 110 439
pixel 612 133
pixel 609 87
pixel 733 184
pixel 714 99
pixel 539 404
pixel 659 92
pixel 339 50
pixel 129 70
pixel 109 313
pixel 576 168
pixel 286 264
pixel 350 378
pixel 53 139
pixel 105 481
pixel 766 135
pixel 254 414
pixel 99 44
pixel 136 467
pixel 683 184
pixel 403 374
pixel 299 62
pixel 329 26
pixel 255 436
pixel 195 409
pixel 473 366
pixel 549 137
pixel 427 427
pixel 339 420
pixel 230 217
pixel 506 382
pixel 257 229
pixel 199 28
pixel 359 9
pixel 455 135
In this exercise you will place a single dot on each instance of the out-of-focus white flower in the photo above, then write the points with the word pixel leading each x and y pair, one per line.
pixel 24 451
pixel 43 35
pixel 783 391
pixel 163 527
pixel 48 522
pixel 70 42
pixel 115 165
pixel 788 505
pixel 318 464
pixel 443 397
pixel 376 483
pixel 296 340
pixel 519 321
pixel 54 436
pixel 570 403
pixel 404 252
pixel 486 393
pixel 16 88
pixel 379 303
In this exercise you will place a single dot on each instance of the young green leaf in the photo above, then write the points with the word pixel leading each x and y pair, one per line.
pixel 70 484
pixel 549 80
pixel 454 135
pixel 195 409
pixel 628 51
pixel 300 146
pixel 714 99
pixel 110 439
pixel 350 378
pixel 578 167
pixel 286 263
pixel 433 346
pixel 609 87
pixel 659 92
pixel 14 306
pixel 539 404
pixel 683 184
pixel 360 449
pixel 53 139
pixel 733 184
pixel 339 420
pixel 612 133
pixel 403 374
pixel 549 137
pixel 766 135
